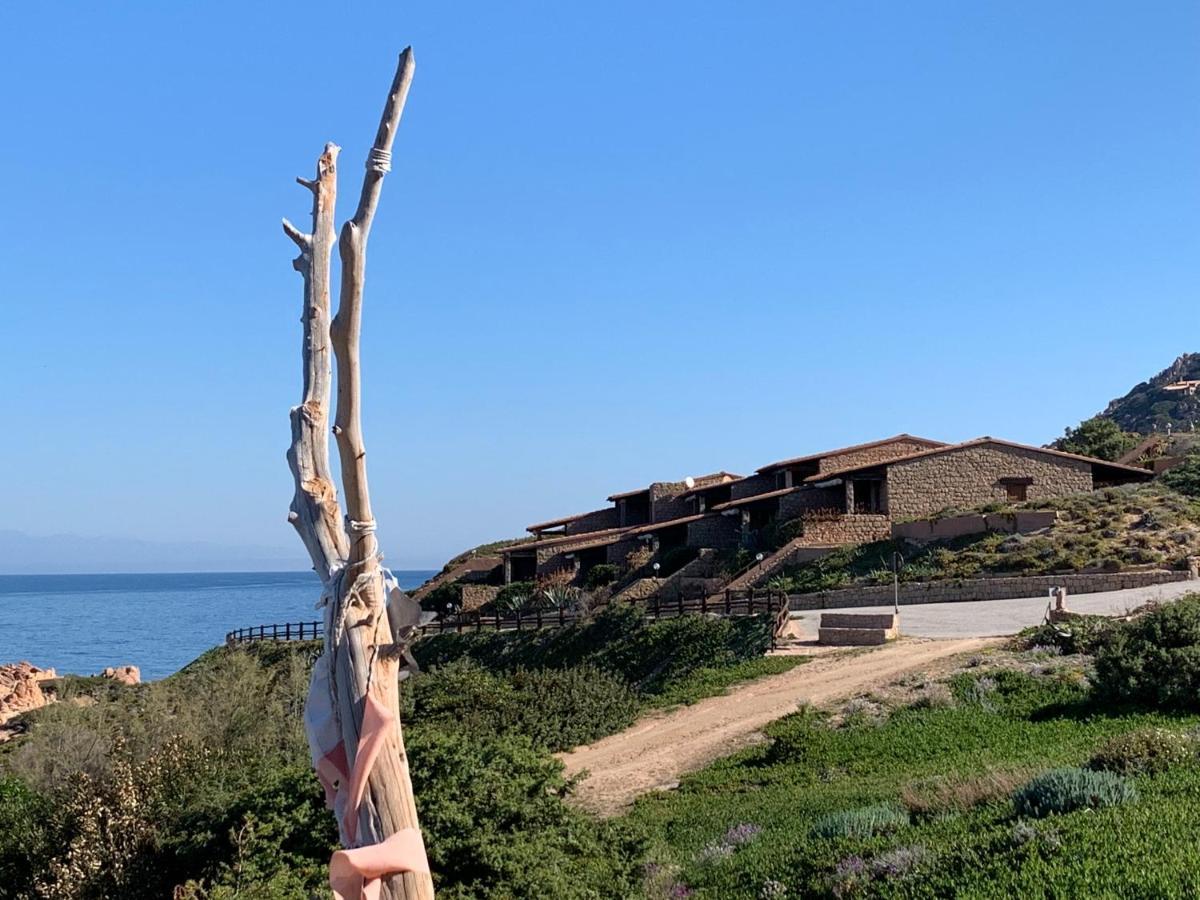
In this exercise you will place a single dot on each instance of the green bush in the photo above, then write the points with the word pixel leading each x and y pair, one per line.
pixel 1099 438
pixel 514 597
pixel 1185 477
pixel 554 709
pixel 27 832
pixel 1144 751
pixel 1066 790
pixel 1083 634
pixel 861 823
pixel 448 593
pixel 649 656
pixel 498 827
pixel 601 575
pixel 1154 659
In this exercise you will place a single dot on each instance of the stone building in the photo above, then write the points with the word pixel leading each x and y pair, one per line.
pixel 844 496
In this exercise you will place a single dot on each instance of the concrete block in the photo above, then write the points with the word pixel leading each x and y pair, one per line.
pixel 858 620
pixel 855 637
pixel 958 526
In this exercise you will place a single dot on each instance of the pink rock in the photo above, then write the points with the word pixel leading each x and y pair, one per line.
pixel 123 674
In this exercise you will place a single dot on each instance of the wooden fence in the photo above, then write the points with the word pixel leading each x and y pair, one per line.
pixel 730 604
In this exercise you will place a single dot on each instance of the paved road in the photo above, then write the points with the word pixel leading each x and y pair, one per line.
pixel 990 618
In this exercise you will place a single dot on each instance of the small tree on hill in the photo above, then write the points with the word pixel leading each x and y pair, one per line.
pixel 1098 437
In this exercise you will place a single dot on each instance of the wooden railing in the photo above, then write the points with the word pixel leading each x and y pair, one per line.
pixel 732 604
pixel 290 631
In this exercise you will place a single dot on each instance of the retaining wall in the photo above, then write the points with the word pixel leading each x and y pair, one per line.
pixel 957 591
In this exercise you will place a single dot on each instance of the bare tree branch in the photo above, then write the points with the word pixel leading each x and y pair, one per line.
pixel 315 512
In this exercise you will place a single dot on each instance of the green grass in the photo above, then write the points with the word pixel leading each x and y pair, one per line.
pixel 1001 721
pixel 709 682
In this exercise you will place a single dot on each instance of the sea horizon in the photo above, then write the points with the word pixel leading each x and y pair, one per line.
pixel 80 624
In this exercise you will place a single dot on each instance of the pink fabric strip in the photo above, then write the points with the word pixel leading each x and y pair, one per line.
pixel 356 874
pixel 377 722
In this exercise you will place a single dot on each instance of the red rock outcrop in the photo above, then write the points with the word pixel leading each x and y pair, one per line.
pixel 123 674
pixel 21 689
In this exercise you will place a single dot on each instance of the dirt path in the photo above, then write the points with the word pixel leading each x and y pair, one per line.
pixel 655 751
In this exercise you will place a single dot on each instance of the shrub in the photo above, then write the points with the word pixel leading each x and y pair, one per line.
pixel 1069 789
pixel 1185 477
pixel 1155 659
pixel 552 709
pixel 1145 751
pixel 1099 438
pixel 649 656
pixel 1083 634
pixel 942 795
pixel 600 575
pixel 861 823
pixel 499 827
pixel 514 597
pixel 448 593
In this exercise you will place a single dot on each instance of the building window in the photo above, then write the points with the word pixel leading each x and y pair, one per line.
pixel 1016 490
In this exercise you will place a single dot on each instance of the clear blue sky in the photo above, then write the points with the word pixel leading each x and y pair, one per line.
pixel 623 241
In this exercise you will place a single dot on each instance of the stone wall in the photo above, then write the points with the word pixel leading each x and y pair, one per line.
pixel 950 527
pixel 970 476
pixel 957 591
pixel 621 549
pixel 719 532
pixel 476 595
pixel 853 528
pixel 752 486
pixel 869 455
pixel 667 501
pixel 793 505
pixel 596 520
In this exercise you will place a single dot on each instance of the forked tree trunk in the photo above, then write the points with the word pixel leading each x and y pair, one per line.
pixel 359 638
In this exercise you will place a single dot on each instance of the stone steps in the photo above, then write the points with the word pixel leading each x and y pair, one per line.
pixel 853 630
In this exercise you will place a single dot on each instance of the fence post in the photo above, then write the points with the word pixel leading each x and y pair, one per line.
pixel 726 601
pixel 750 603
pixel 562 613
pixel 704 604
pixel 539 617
pixel 518 620
pixel 680 602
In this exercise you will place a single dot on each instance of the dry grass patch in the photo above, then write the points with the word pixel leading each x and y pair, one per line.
pixel 948 794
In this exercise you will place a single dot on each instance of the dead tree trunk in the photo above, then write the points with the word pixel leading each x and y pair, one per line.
pixel 351 716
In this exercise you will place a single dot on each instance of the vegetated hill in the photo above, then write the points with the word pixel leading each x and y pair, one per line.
pixel 1148 407
pixel 1109 529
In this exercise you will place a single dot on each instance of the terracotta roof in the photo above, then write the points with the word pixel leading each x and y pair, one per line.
pixel 867 446
pixel 1132 470
pixel 585 537
pixel 669 523
pixel 753 498
pixel 539 526
pixel 625 494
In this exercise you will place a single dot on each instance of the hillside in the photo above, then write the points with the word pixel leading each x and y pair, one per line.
pixel 1108 530
pixel 1148 407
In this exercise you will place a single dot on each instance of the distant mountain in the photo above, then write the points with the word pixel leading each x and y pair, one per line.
pixel 22 554
pixel 1148 407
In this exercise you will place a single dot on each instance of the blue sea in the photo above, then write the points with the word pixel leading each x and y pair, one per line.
pixel 79 624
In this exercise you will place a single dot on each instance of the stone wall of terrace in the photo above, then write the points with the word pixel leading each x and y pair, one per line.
pixel 961 590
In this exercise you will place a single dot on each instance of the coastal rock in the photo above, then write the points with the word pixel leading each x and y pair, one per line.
pixel 21 689
pixel 123 674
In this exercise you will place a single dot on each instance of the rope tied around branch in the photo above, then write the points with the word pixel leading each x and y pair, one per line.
pixel 363 528
pixel 379 160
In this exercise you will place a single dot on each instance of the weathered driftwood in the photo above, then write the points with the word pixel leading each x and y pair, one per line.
pixel 360 641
